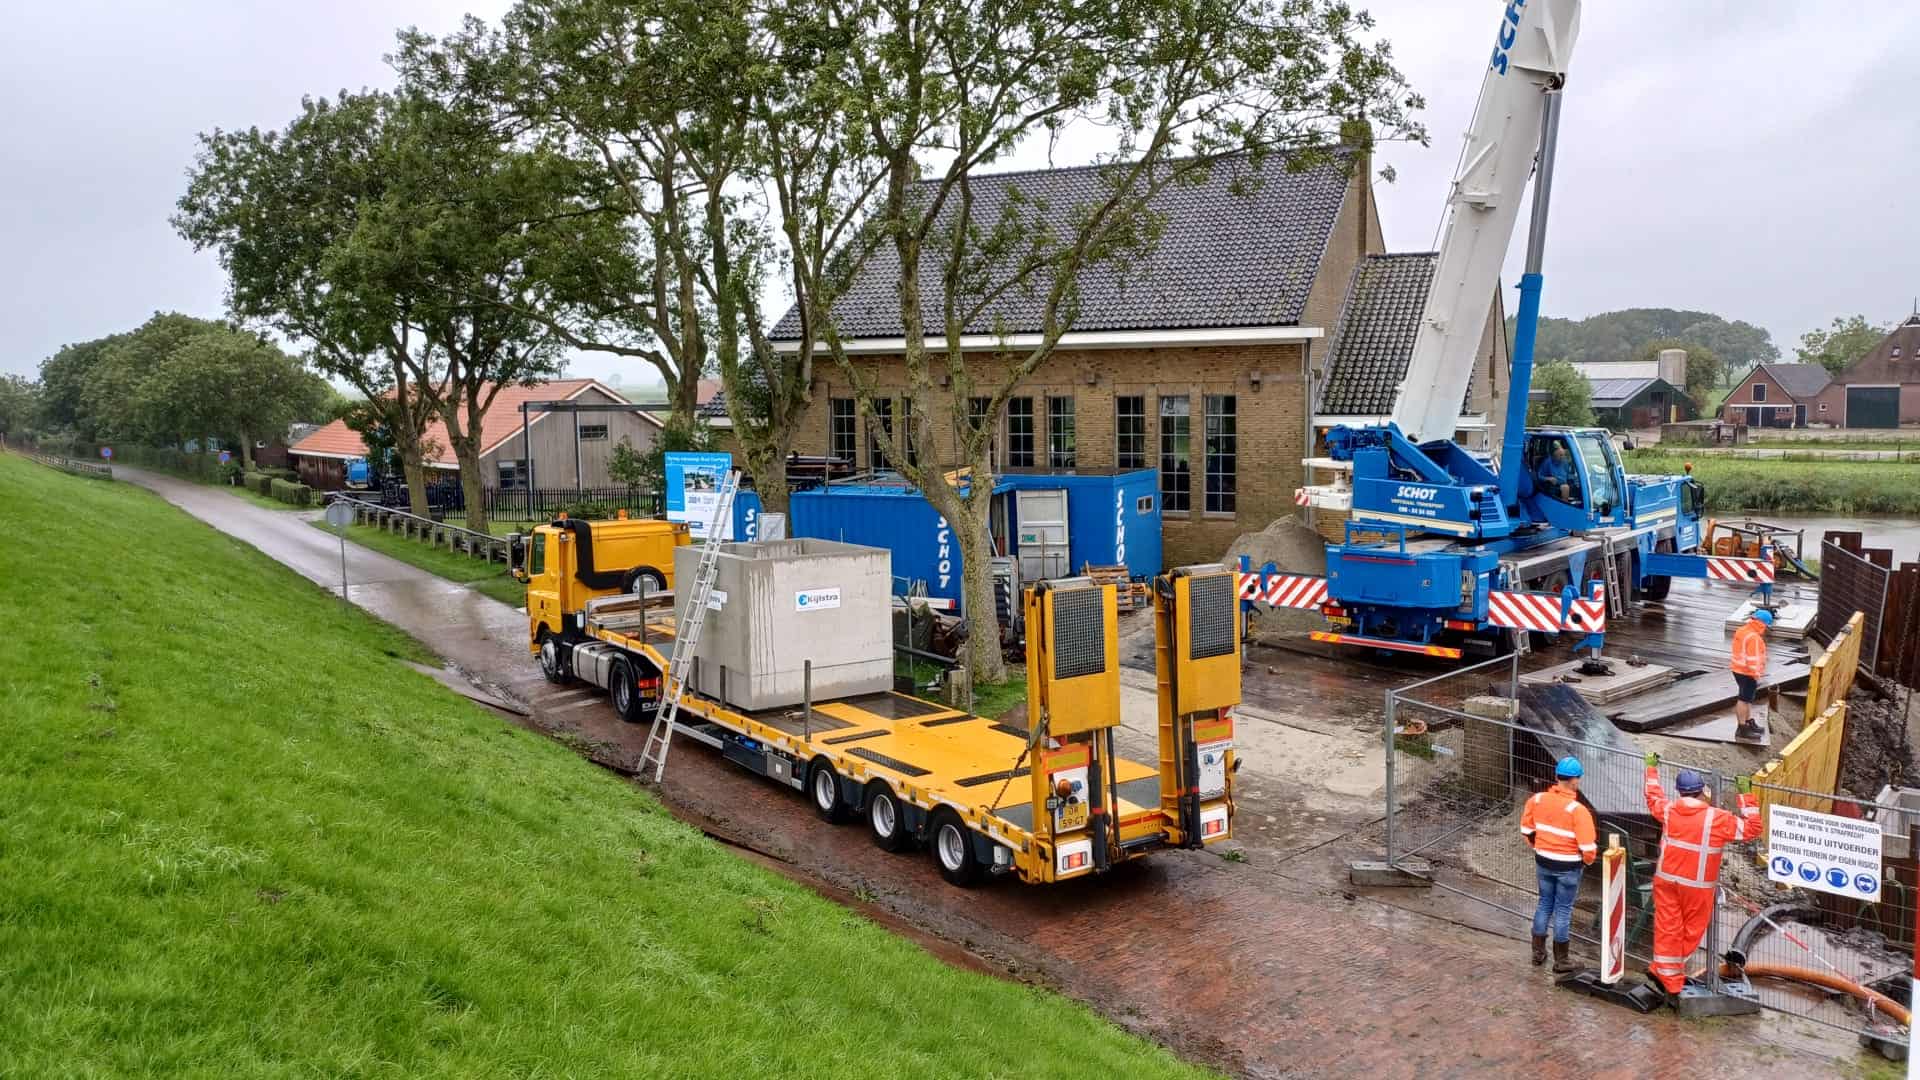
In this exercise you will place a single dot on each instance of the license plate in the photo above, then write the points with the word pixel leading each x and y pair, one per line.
pixel 1340 621
pixel 1073 816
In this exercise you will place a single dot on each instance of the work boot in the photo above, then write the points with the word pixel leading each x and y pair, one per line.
pixel 1562 963
pixel 1749 732
pixel 1539 949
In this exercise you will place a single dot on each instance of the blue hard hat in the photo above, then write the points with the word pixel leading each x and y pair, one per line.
pixel 1689 782
pixel 1765 616
pixel 1569 768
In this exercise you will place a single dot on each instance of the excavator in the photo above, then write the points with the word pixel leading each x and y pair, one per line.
pixel 1448 548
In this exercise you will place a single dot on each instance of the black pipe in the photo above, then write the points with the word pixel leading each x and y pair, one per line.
pixel 1742 941
pixel 584 570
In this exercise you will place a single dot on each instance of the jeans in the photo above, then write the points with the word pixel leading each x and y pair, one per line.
pixel 1557 890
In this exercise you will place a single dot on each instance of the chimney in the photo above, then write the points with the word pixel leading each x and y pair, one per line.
pixel 1673 366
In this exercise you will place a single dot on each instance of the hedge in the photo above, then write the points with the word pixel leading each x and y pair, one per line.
pixel 297 494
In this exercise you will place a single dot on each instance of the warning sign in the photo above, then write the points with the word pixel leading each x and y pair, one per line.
pixel 1823 852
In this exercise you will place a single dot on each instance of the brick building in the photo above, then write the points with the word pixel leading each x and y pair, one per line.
pixel 1779 396
pixel 1882 388
pixel 1200 360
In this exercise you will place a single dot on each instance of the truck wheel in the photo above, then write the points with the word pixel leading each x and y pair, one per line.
pixel 823 790
pixel 626 697
pixel 886 819
pixel 953 849
pixel 643 578
pixel 551 664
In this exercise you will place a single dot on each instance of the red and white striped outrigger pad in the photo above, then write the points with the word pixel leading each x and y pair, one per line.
pixel 1541 611
pixel 1300 497
pixel 1285 590
pixel 1742 571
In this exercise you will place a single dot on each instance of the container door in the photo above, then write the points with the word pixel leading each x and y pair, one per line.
pixel 1042 518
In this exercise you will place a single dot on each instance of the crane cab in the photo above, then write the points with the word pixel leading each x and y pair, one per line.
pixel 1573 478
pixel 569 562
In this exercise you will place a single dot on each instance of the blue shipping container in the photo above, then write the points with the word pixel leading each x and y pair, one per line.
pixel 1113 519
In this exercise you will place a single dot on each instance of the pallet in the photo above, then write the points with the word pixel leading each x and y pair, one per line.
pixel 1627 680
pixel 1791 621
pixel 1129 594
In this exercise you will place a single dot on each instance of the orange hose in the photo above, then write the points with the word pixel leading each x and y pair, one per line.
pixel 1827 979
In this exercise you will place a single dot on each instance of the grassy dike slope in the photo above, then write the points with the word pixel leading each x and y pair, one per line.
pixel 237 837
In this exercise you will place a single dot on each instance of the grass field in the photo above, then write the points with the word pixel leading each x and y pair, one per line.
pixel 240 838
pixel 487 577
pixel 1800 487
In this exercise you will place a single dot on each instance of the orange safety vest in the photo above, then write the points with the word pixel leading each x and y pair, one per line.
pixel 1694 834
pixel 1750 649
pixel 1560 827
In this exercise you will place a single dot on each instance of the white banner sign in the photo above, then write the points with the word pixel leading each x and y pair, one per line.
pixel 1823 852
pixel 816 599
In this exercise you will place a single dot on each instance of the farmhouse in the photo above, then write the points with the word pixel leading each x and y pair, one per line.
pixel 1206 358
pixel 570 449
pixel 1882 388
pixel 1778 396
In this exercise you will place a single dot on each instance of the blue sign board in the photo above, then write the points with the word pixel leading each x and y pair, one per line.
pixel 693 489
pixel 107 452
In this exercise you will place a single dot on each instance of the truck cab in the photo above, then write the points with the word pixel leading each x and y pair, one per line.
pixel 570 561
pixel 1573 479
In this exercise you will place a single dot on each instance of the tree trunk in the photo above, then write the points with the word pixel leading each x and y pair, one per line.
pixel 415 471
pixel 687 402
pixel 466 450
pixel 970 520
pixel 246 451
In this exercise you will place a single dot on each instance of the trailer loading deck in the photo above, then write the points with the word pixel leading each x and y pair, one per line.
pixel 1048 801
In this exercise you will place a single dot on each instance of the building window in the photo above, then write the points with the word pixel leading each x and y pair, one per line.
pixel 1759 391
pixel 882 415
pixel 1130 431
pixel 840 413
pixel 1020 433
pixel 1223 443
pixel 979 420
pixel 593 432
pixel 1176 463
pixel 513 474
pixel 1060 433
pixel 1896 352
pixel 1823 406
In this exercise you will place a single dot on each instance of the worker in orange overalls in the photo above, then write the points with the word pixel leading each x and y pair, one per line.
pixel 1693 835
pixel 1560 828
pixel 1749 663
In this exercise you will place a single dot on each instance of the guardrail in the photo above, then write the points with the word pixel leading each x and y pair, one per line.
pixel 68 465
pixel 478 545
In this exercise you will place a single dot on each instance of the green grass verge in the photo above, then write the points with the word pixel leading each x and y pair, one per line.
pixel 1794 487
pixel 487 577
pixel 240 839
pixel 996 698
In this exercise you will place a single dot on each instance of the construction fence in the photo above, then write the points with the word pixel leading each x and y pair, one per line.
pixel 1466 750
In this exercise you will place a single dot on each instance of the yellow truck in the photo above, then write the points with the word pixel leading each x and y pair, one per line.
pixel 1046 801
pixel 569 562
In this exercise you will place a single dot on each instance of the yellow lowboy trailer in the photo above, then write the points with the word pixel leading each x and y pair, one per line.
pixel 1049 802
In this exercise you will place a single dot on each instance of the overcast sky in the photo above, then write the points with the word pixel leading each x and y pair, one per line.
pixel 1752 158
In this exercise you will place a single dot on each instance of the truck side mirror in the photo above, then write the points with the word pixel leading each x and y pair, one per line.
pixel 516 555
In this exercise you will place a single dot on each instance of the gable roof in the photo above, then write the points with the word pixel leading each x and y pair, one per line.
pixel 1239 247
pixel 1881 365
pixel 1799 381
pixel 1368 357
pixel 502 422
pixel 1612 393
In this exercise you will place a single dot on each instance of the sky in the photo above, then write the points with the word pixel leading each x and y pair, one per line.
pixel 1752 158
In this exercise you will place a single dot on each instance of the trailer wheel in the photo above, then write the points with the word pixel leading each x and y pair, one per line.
pixel 621 687
pixel 886 819
pixel 823 790
pixel 551 665
pixel 953 849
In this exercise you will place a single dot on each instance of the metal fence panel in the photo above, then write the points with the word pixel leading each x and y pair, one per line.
pixel 1850 583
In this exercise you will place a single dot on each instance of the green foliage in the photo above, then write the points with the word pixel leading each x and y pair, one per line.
pixel 627 466
pixel 680 435
pixel 19 405
pixel 1838 346
pixel 1795 487
pixel 1569 396
pixel 228 801
pixel 64 378
pixel 290 493
pixel 1621 335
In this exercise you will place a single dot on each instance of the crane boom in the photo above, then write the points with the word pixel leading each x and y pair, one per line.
pixel 1529 62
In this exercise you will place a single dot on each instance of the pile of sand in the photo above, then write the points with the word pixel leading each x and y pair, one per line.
pixel 1290 546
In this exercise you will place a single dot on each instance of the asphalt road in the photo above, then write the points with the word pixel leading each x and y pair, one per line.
pixel 1267 968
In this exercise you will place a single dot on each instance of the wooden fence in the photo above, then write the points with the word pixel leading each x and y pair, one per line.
pixel 1831 677
pixel 1809 764
pixel 77 468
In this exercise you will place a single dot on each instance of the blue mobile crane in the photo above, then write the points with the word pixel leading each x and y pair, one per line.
pixel 1448 548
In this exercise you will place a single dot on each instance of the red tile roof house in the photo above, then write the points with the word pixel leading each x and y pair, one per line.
pixel 322 457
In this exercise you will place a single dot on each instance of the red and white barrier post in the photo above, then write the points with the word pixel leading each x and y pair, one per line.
pixel 1613 911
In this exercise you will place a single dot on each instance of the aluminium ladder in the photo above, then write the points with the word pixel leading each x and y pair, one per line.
pixel 686 634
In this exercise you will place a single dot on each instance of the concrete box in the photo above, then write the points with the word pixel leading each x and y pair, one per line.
pixel 777 604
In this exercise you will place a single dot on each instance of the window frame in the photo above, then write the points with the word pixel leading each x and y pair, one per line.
pixel 1020 409
pixel 1220 498
pixel 587 430
pixel 852 432
pixel 1759 392
pixel 877 460
pixel 1122 459
pixel 1176 486
pixel 1061 431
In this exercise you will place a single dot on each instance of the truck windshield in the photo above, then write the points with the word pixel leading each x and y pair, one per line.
pixel 1597 456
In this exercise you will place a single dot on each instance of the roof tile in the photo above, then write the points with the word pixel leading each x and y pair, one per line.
pixel 1368 357
pixel 500 423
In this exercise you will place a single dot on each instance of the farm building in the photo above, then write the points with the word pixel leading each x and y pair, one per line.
pixel 1634 404
pixel 1778 396
pixel 1207 360
pixel 1882 388
pixel 570 449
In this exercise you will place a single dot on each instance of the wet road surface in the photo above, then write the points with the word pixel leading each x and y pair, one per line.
pixel 1269 967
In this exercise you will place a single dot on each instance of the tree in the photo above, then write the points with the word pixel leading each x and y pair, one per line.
pixel 19 405
pixel 627 466
pixel 1621 335
pixel 1568 397
pixel 64 378
pixel 1838 346
pixel 934 92
pixel 1705 370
